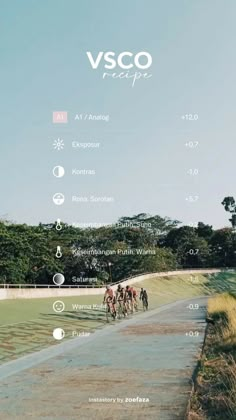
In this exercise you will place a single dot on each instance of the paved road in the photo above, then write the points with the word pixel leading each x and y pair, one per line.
pixel 149 356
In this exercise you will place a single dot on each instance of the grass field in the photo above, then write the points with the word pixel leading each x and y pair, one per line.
pixel 26 325
pixel 215 384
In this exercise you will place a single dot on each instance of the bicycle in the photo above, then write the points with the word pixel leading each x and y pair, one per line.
pixel 135 305
pixel 129 306
pixel 121 309
pixel 145 304
pixel 110 310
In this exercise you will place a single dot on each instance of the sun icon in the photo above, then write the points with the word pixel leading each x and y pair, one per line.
pixel 58 144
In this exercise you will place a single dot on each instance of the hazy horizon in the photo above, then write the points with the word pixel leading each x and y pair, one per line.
pixel 142 161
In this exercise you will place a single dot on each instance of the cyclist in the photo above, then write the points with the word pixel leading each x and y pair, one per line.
pixel 110 300
pixel 144 297
pixel 129 297
pixel 135 298
pixel 118 291
pixel 120 298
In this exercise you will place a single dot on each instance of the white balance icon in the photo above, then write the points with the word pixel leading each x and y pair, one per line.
pixel 58 253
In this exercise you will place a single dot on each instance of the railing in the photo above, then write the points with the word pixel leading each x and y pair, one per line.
pixel 91 286
pixel 48 286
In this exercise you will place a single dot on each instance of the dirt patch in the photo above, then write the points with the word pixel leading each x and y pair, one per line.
pixel 162 329
pixel 97 383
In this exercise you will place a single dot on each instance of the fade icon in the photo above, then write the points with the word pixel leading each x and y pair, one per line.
pixel 58 333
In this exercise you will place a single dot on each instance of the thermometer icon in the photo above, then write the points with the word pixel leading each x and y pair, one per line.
pixel 58 225
pixel 58 253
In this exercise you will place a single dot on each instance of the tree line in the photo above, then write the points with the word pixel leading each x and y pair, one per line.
pixel 134 245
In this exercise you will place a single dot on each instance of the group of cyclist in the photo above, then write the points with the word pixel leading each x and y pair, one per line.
pixel 124 300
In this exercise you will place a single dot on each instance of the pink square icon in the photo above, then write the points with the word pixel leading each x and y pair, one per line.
pixel 59 117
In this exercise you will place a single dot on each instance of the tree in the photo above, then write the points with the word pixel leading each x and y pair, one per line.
pixel 155 226
pixel 230 206
pixel 14 261
pixel 223 248
pixel 204 231
pixel 190 249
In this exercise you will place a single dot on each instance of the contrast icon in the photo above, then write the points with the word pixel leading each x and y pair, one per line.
pixel 58 306
pixel 58 333
pixel 58 199
pixel 58 279
pixel 58 144
pixel 58 171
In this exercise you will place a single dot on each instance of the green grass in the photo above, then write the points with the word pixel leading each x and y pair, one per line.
pixel 215 384
pixel 26 325
pixel 23 310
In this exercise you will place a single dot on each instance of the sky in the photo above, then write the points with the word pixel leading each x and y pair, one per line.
pixel 143 162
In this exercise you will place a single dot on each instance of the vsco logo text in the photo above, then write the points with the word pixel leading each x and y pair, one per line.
pixel 125 60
